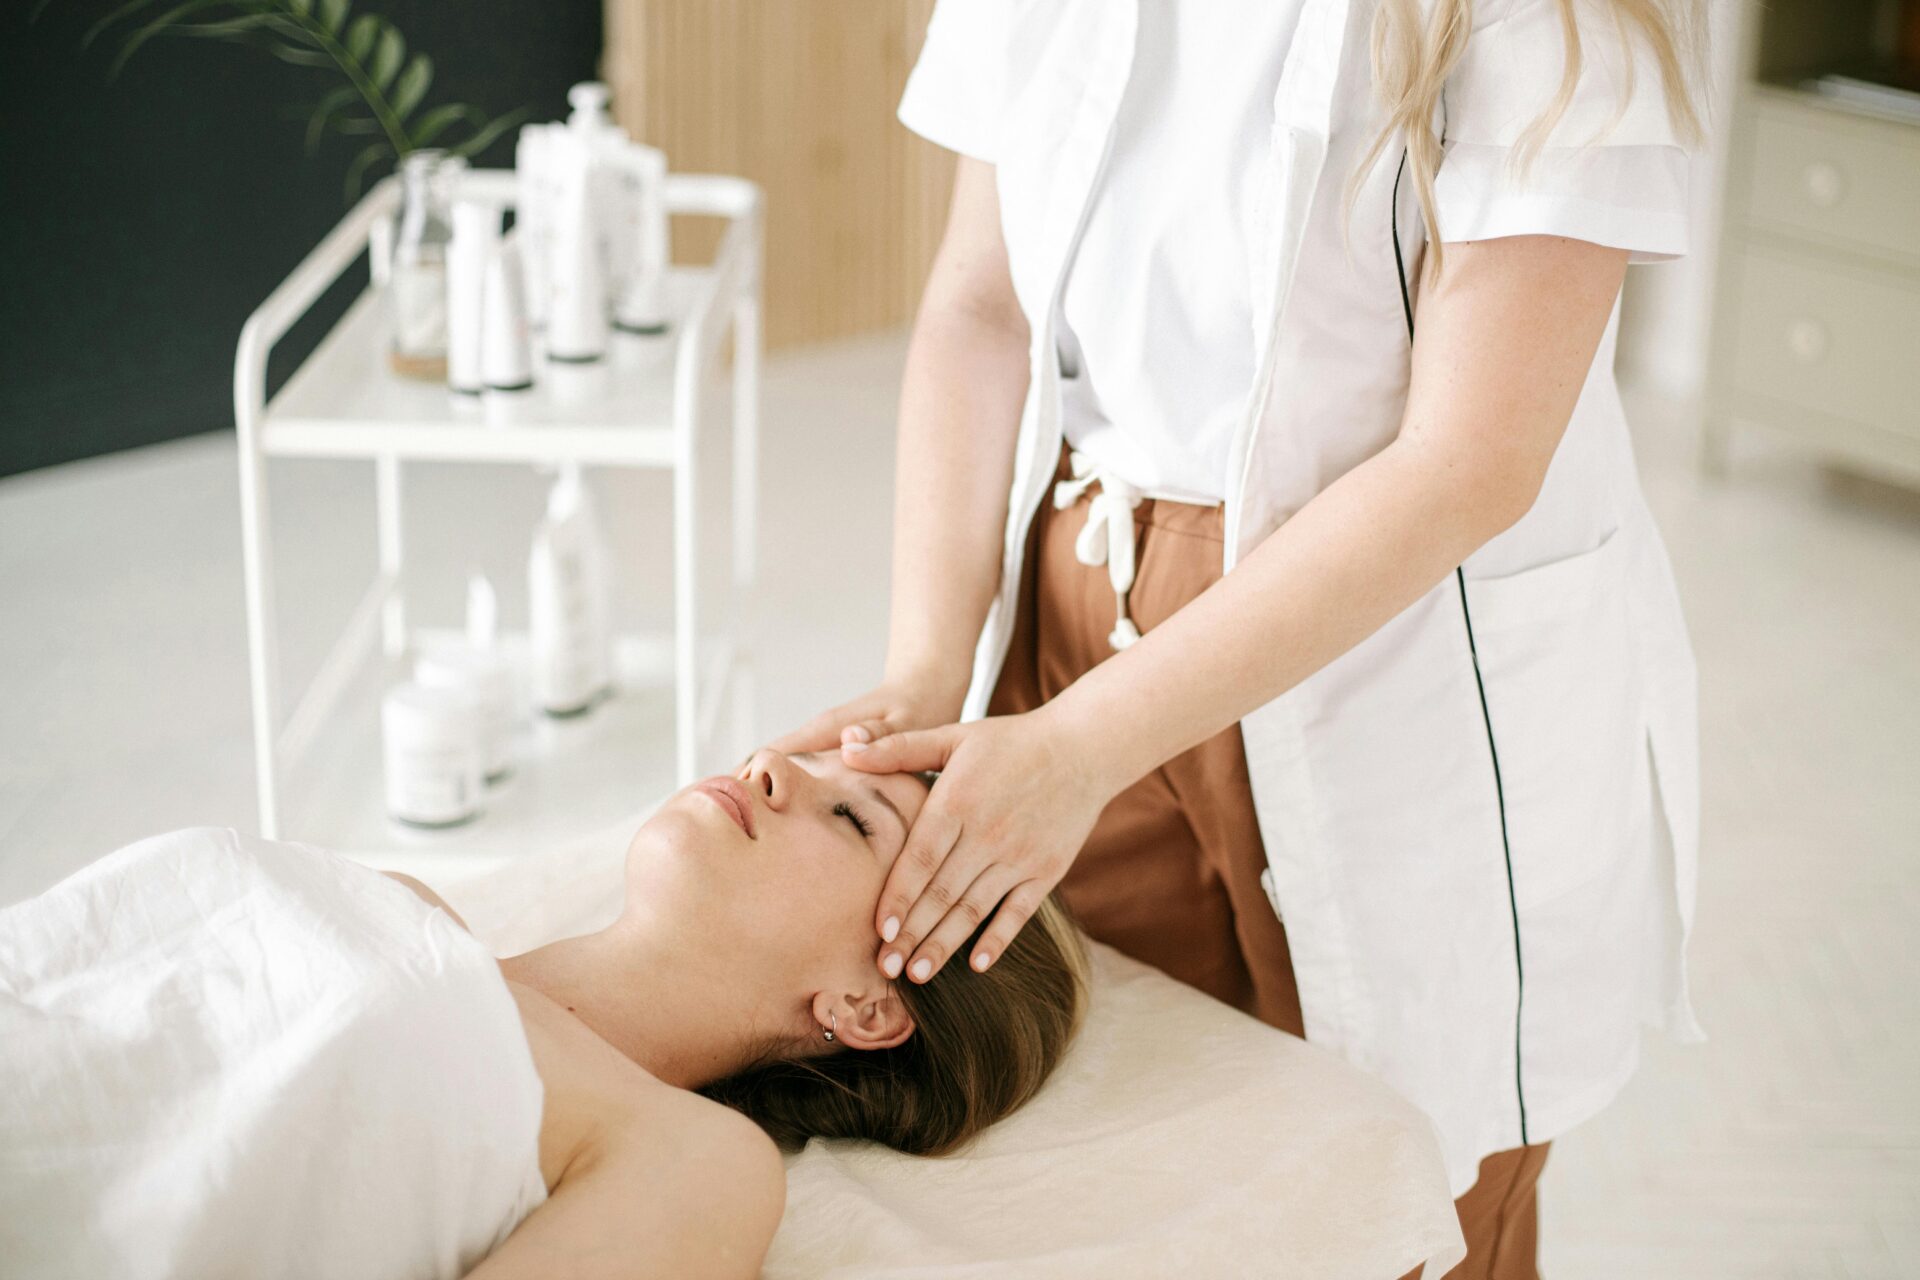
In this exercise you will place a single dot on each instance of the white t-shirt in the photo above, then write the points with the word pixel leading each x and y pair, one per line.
pixel 1157 349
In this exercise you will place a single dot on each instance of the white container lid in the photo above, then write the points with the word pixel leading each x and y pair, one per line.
pixel 415 711
pixel 458 666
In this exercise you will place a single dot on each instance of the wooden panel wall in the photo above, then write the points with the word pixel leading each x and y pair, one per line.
pixel 798 95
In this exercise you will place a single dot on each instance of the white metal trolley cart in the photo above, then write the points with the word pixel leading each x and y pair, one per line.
pixel 646 405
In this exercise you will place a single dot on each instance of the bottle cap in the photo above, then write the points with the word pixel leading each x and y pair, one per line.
pixel 589 100
pixel 564 498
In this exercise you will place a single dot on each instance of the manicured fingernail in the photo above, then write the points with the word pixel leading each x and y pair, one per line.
pixel 853 746
pixel 891 929
pixel 922 968
pixel 981 959
pixel 891 965
pixel 855 733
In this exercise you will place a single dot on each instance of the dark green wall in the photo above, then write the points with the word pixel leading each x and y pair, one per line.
pixel 142 219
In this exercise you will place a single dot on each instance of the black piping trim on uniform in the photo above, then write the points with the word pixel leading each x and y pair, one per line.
pixel 1486 716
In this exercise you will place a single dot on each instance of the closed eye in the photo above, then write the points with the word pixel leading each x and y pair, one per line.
pixel 851 814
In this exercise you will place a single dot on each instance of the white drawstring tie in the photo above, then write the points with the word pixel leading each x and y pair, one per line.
pixel 1107 537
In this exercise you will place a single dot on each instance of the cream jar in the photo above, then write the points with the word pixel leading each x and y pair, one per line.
pixel 431 755
pixel 486 677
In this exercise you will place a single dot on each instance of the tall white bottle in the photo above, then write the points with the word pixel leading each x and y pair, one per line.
pixel 506 341
pixel 533 215
pixel 476 235
pixel 577 310
pixel 569 611
pixel 642 305
pixel 613 189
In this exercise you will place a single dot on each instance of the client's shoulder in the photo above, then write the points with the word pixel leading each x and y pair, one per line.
pixel 606 1113
pixel 708 1171
pixel 698 1137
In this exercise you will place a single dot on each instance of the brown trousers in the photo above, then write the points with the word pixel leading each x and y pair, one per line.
pixel 1171 873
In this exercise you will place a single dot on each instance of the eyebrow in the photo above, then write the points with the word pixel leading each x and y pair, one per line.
pixel 881 796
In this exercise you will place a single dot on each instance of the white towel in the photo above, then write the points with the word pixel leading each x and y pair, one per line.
pixel 221 1056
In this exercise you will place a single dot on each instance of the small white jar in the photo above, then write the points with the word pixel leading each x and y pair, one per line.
pixel 485 676
pixel 431 755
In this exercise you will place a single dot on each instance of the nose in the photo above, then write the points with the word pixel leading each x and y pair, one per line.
pixel 775 777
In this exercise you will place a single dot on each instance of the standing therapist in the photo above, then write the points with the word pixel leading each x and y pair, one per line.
pixel 1270 568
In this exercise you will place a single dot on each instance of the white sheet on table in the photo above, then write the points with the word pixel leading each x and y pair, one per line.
pixel 222 1056
pixel 1179 1137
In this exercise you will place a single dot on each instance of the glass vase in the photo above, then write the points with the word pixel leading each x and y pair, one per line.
pixel 418 284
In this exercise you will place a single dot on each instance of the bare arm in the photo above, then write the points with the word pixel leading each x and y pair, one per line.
pixel 696 1199
pixel 960 402
pixel 1505 342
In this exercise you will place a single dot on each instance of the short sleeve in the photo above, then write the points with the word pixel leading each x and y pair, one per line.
pixel 953 97
pixel 1614 170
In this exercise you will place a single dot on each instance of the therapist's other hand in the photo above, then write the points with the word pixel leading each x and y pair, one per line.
pixel 1006 818
pixel 895 705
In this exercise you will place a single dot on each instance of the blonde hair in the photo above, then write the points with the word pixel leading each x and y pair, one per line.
pixel 1412 59
pixel 982 1044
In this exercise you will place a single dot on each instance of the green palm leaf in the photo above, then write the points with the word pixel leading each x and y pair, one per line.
pixel 298 57
pixel 361 163
pixel 224 29
pixel 386 63
pixel 361 35
pixel 324 112
pixel 153 28
pixel 332 13
pixel 412 85
pixel 484 136
pixel 368 51
pixel 435 122
pixel 126 10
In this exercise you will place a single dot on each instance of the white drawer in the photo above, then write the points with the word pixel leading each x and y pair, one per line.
pixel 1829 338
pixel 1835 178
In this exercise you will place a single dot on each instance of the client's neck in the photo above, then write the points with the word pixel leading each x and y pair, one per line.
pixel 636 988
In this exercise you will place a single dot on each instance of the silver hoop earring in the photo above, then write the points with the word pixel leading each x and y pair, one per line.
pixel 830 1033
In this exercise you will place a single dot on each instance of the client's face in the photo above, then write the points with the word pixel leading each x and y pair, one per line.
pixel 786 858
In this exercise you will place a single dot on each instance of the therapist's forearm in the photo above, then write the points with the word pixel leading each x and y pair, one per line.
pixel 960 403
pixel 1360 552
pixel 1507 340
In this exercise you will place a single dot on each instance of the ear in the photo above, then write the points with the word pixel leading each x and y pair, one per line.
pixel 875 1019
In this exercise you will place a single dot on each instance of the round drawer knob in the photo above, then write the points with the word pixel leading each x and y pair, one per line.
pixel 1826 186
pixel 1808 340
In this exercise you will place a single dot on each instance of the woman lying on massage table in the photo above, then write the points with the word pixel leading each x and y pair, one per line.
pixel 377 1113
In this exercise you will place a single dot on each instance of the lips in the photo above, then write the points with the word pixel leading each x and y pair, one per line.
pixel 733 796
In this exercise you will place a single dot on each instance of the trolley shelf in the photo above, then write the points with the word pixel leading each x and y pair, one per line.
pixel 345 403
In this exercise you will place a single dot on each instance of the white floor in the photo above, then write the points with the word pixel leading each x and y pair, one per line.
pixel 1788 1146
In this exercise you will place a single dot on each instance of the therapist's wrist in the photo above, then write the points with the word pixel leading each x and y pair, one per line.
pixel 1098 752
pixel 938 683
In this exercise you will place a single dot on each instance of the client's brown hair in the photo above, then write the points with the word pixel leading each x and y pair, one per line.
pixel 982 1044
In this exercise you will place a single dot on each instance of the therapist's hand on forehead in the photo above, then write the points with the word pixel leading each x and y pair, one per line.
pixel 1010 811
pixel 1012 807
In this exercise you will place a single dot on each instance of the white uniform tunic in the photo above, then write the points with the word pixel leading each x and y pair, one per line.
pixel 1481 822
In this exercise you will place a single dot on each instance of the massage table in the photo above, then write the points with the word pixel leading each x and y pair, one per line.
pixel 1178 1137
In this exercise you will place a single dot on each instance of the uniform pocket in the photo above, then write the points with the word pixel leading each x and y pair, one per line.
pixel 1558 669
